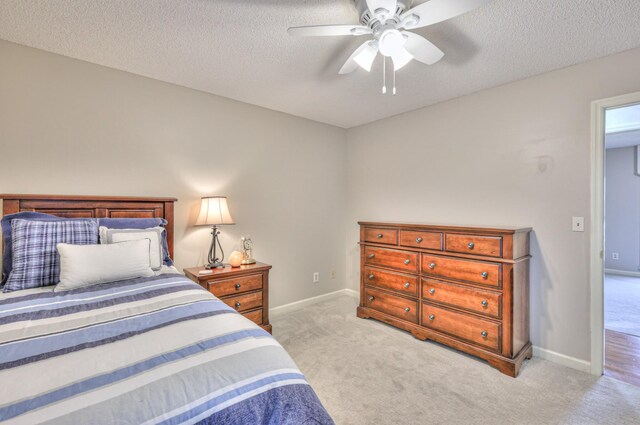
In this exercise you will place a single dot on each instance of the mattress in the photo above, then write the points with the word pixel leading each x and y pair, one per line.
pixel 158 350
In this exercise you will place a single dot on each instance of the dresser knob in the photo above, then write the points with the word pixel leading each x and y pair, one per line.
pixel 470 245
pixel 407 284
pixel 484 334
pixel 237 304
pixel 418 240
pixel 371 276
pixel 432 266
pixel 432 291
pixel 485 275
pixel 407 261
pixel 432 316
pixel 379 236
pixel 406 310
pixel 484 303
pixel 237 286
pixel 371 298
pixel 372 255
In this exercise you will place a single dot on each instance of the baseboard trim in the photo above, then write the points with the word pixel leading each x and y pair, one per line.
pixel 622 272
pixel 562 359
pixel 286 308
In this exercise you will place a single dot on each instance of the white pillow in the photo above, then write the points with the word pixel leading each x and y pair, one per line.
pixel 86 265
pixel 154 234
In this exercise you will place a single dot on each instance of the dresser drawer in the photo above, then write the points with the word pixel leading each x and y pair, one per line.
pixel 255 316
pixel 399 307
pixel 473 329
pixel 222 288
pixel 388 236
pixel 490 246
pixel 402 283
pixel 393 258
pixel 425 240
pixel 465 297
pixel 473 271
pixel 244 302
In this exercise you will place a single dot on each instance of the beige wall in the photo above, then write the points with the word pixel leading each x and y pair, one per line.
pixel 513 155
pixel 70 127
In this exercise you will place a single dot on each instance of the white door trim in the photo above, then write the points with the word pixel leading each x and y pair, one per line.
pixel 596 272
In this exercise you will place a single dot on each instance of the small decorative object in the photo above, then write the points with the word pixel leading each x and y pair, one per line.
pixel 247 248
pixel 214 211
pixel 235 259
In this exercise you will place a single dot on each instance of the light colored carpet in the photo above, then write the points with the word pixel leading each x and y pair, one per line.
pixel 622 304
pixel 366 372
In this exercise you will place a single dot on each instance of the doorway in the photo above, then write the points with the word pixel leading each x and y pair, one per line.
pixel 615 238
pixel 622 243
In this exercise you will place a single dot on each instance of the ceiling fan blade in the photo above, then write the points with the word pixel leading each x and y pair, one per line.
pixel 435 11
pixel 328 30
pixel 363 57
pixel 388 5
pixel 400 58
pixel 422 49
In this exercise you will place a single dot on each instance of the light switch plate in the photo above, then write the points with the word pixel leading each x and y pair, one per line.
pixel 578 224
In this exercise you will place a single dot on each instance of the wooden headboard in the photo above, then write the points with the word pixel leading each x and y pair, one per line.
pixel 94 207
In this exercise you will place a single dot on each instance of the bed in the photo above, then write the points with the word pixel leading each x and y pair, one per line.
pixel 139 351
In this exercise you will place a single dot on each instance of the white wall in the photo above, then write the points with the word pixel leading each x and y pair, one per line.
pixel 70 127
pixel 513 155
pixel 622 210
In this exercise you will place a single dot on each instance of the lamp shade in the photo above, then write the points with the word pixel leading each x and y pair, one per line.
pixel 214 211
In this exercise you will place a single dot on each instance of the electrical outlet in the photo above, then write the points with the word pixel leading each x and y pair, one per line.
pixel 615 256
pixel 316 277
pixel 333 273
pixel 577 224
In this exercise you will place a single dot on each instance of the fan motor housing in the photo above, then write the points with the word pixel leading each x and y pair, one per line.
pixel 366 16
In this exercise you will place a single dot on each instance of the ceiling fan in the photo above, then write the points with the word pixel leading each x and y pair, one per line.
pixel 387 21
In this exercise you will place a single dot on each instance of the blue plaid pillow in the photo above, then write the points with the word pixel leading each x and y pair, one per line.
pixel 35 260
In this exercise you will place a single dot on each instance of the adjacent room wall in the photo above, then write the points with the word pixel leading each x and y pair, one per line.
pixel 622 210
pixel 513 155
pixel 71 127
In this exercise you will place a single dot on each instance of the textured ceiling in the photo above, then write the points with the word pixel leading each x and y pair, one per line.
pixel 240 49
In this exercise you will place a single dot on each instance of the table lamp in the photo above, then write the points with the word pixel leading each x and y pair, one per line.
pixel 214 212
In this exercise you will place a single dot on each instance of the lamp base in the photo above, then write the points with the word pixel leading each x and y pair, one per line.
pixel 214 265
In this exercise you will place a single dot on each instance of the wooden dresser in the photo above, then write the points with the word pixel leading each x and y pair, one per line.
pixel 245 288
pixel 465 287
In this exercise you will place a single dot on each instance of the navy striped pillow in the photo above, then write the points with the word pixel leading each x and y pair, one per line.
pixel 35 260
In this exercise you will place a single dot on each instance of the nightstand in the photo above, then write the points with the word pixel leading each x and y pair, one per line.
pixel 245 288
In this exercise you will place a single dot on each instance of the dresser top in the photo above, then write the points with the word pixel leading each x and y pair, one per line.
pixel 446 227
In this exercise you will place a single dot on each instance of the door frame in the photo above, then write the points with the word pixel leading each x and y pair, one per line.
pixel 596 272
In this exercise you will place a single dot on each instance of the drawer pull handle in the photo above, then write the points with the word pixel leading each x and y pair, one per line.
pixel 379 236
pixel 237 304
pixel 432 316
pixel 418 240
pixel 372 255
pixel 407 284
pixel 470 245
pixel 484 303
pixel 484 334
pixel 371 276
pixel 485 275
pixel 432 266
pixel 406 310
pixel 371 298
pixel 237 286
pixel 407 261
pixel 432 291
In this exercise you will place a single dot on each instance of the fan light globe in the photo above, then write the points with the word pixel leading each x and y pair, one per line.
pixel 391 42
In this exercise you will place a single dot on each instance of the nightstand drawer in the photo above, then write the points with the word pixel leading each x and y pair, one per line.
pixel 255 316
pixel 222 288
pixel 245 302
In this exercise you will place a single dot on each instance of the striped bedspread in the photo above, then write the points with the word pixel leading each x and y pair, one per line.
pixel 143 351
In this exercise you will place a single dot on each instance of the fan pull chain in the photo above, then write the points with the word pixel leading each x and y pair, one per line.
pixel 384 75
pixel 394 80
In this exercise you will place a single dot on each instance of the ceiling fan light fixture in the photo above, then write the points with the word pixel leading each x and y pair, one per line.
pixel 391 42
pixel 401 58
pixel 365 58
